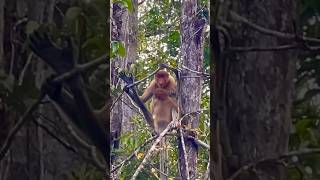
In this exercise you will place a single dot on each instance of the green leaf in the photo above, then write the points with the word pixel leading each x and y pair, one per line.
pixel 117 48
pixel 31 26
pixel 122 50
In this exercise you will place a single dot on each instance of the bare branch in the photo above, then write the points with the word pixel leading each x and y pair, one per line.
pixel 133 153
pixel 184 154
pixel 62 142
pixel 81 68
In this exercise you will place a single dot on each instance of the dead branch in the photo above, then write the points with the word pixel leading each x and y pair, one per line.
pixel 184 154
pixel 133 153
pixel 152 149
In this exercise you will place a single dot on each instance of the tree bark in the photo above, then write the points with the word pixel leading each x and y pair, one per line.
pixel 256 102
pixel 124 29
pixel 191 32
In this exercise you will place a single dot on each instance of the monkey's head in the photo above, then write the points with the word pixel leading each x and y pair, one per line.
pixel 162 78
pixel 161 94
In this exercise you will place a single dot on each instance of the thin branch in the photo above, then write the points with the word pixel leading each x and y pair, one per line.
pixel 184 154
pixel 152 149
pixel 7 143
pixel 276 48
pixel 62 142
pixel 138 82
pixel 133 153
pixel 25 69
pixel 81 68
pixel 199 142
pixel 116 100
pixel 194 71
pixel 206 175
pixel 133 107
pixel 284 156
pixel 261 29
pixel 94 159
pixel 141 2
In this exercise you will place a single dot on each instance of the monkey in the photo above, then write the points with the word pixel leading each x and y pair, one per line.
pixel 162 106
pixel 162 79
pixel 161 110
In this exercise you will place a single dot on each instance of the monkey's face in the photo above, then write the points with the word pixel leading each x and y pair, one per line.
pixel 162 79
pixel 162 82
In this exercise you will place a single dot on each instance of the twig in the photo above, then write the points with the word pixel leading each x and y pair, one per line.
pixel 133 107
pixel 141 2
pixel 284 156
pixel 184 154
pixel 206 175
pixel 7 143
pixel 151 150
pixel 261 29
pixel 25 69
pixel 94 159
pixel 133 153
pixel 62 142
pixel 203 144
pixel 194 71
pixel 116 100
pixel 138 82
pixel 83 67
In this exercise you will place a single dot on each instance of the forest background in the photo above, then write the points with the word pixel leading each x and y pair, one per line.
pixel 44 148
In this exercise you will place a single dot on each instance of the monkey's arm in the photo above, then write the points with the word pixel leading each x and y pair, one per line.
pixel 148 92
pixel 173 103
pixel 132 93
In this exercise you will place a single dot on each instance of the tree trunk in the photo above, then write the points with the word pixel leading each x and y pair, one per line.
pixel 123 29
pixel 255 106
pixel 130 25
pixel 190 89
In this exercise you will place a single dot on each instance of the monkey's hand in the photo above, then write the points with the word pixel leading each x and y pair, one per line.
pixel 59 59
